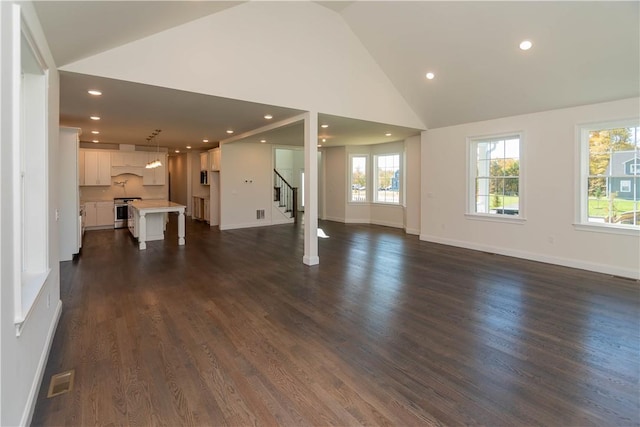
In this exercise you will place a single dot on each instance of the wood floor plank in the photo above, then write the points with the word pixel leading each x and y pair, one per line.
pixel 232 329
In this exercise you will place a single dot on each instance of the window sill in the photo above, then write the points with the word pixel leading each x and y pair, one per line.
pixel 387 204
pixel 609 229
pixel 509 219
pixel 32 285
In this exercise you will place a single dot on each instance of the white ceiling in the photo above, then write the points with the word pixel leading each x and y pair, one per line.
pixel 584 52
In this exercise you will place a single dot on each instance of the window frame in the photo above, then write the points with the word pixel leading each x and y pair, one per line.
pixel 471 167
pixel 582 177
pixel 30 190
pixel 374 178
pixel 367 179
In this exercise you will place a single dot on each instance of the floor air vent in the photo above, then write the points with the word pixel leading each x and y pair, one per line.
pixel 61 383
pixel 260 214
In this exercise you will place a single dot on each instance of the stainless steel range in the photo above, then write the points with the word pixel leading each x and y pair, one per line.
pixel 121 210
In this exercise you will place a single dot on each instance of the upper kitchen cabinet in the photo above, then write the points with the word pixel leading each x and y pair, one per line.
pixel 97 167
pixel 136 159
pixel 204 161
pixel 155 176
pixel 214 156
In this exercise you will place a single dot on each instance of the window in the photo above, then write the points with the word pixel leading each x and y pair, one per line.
pixel 625 186
pixel 358 182
pixel 494 176
pixel 609 182
pixel 387 179
pixel 31 195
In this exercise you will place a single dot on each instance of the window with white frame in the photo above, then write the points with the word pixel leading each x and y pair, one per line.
pixel 387 177
pixel 494 176
pixel 609 181
pixel 31 193
pixel 358 181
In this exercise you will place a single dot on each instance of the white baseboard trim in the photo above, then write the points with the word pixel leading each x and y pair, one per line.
pixel 388 224
pixel 357 221
pixel 565 262
pixel 247 225
pixel 335 219
pixel 27 415
pixel 414 231
pixel 282 221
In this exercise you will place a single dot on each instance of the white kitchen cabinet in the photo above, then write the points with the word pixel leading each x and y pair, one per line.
pixel 206 212
pixel 99 214
pixel 214 156
pixel 97 167
pixel 136 159
pixel 155 176
pixel 204 161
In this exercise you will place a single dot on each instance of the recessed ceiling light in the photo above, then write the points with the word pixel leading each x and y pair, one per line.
pixel 387 134
pixel 263 141
pixel 94 92
pixel 95 132
pixel 94 118
pixel 188 147
pixel 526 45
pixel 95 141
pixel 319 145
pixel 268 116
pixel 324 126
pixel 205 140
pixel 324 139
pixel 229 131
pixel 177 151
pixel 430 75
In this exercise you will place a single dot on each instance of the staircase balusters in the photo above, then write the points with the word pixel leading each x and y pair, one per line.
pixel 285 195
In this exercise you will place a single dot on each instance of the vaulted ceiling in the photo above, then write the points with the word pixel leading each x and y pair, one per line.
pixel 583 52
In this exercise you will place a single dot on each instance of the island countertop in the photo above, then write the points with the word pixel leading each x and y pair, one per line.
pixel 157 206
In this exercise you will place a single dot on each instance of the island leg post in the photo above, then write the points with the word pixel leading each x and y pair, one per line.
pixel 181 228
pixel 142 232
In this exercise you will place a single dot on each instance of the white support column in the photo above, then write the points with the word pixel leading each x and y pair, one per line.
pixel 311 189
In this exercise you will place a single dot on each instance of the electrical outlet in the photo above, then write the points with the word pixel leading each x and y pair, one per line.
pixel 57 214
pixel 48 300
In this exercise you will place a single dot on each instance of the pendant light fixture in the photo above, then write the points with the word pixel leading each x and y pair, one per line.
pixel 155 163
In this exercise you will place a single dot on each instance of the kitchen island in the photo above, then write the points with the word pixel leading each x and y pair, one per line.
pixel 147 220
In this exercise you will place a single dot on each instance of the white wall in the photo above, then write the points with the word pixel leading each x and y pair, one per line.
pixel 23 359
pixel 335 185
pixel 178 178
pixel 550 165
pixel 307 57
pixel 246 185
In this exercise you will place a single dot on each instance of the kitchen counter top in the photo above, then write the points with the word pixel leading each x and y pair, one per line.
pixel 156 204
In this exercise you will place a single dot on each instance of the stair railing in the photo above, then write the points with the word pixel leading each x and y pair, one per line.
pixel 286 195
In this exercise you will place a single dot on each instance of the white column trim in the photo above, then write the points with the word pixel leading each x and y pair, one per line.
pixel 311 189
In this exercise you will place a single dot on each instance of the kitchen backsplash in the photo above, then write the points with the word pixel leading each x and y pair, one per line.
pixel 132 188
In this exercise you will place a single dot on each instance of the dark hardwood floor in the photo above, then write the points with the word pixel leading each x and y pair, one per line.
pixel 232 329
